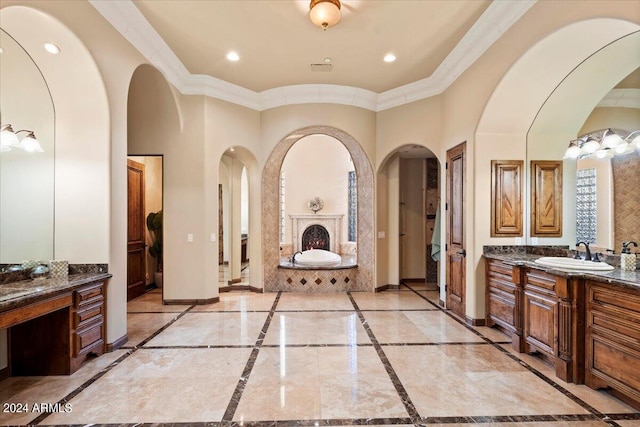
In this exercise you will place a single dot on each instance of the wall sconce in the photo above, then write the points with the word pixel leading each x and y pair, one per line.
pixel 610 144
pixel 9 140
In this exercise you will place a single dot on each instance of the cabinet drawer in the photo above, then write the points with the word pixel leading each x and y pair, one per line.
pixel 502 308
pixel 88 315
pixel 83 340
pixel 89 294
pixel 500 269
pixel 540 282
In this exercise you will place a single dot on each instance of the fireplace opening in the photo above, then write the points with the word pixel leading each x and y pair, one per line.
pixel 315 237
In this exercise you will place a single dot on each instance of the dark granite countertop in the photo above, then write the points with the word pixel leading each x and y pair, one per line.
pixel 17 294
pixel 630 279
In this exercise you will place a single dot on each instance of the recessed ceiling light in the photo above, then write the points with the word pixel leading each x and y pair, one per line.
pixel 233 56
pixel 51 48
pixel 327 60
pixel 232 149
pixel 389 57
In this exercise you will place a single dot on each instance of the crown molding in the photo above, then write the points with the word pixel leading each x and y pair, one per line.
pixel 125 17
pixel 621 98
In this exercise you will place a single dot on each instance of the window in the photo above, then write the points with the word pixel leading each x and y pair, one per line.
pixel 353 203
pixel 586 212
pixel 282 211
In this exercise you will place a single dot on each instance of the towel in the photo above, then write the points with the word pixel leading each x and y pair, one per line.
pixel 435 237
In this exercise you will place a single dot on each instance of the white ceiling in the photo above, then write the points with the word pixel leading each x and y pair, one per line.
pixel 434 41
pixel 277 42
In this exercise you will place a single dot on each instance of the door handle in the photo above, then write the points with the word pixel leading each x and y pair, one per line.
pixel 463 252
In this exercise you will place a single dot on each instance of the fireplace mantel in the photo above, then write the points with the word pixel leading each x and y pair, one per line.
pixel 332 222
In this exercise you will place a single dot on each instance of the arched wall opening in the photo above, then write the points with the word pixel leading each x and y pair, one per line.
pixel 241 218
pixel 408 203
pixel 154 130
pixel 365 208
pixel 523 94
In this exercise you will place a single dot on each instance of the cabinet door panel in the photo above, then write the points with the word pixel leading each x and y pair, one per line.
pixel 539 326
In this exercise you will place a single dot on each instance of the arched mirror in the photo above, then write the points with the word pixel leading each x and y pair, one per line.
pixel 26 175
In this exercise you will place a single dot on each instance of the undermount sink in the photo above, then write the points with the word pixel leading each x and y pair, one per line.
pixel 573 264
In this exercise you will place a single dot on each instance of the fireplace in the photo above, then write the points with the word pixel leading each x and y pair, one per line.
pixel 331 223
pixel 315 237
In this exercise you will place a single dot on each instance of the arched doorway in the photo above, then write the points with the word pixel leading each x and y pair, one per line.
pixel 365 206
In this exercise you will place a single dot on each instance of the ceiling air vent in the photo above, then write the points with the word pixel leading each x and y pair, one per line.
pixel 321 67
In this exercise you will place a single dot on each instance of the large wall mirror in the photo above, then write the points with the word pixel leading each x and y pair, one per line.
pixel 600 196
pixel 26 178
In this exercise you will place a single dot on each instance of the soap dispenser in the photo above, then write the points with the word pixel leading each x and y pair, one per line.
pixel 627 259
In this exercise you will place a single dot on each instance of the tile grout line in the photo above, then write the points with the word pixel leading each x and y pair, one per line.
pixel 395 380
pixel 246 373
pixel 112 365
pixel 600 416
pixel 390 344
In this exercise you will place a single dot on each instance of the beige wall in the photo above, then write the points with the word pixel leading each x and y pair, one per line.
pixel 317 166
pixel 412 218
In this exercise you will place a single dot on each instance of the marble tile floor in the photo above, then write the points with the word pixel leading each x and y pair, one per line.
pixel 390 358
pixel 224 274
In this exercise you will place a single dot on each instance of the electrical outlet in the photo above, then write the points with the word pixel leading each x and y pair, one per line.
pixel 381 234
pixel 212 237
pixel 189 238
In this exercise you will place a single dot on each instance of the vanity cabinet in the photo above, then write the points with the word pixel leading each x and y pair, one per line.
pixel 613 340
pixel 504 299
pixel 88 334
pixel 553 321
pixel 54 335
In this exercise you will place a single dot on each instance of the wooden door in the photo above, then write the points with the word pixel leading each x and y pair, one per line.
pixel 136 257
pixel 220 227
pixel 455 251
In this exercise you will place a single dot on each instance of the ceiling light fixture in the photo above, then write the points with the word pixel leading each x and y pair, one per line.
pixel 9 140
pixel 603 145
pixel 327 60
pixel 389 57
pixel 233 56
pixel 324 13
pixel 51 48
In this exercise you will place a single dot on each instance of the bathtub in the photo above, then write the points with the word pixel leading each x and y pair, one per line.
pixel 317 258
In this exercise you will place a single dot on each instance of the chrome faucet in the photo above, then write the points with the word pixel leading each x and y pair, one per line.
pixel 293 258
pixel 586 246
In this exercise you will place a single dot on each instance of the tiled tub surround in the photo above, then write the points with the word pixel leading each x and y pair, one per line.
pixel 297 278
pixel 338 359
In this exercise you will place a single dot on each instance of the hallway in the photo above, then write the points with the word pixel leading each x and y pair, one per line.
pixel 389 358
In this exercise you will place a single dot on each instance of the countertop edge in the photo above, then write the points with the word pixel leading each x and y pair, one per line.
pixel 54 287
pixel 614 277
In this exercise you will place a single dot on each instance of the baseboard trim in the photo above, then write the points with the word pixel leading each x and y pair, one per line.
pixel 192 301
pixel 441 303
pixel 386 288
pixel 117 343
pixel 234 281
pixel 475 322
pixel 241 288
pixel 414 280
pixel 4 373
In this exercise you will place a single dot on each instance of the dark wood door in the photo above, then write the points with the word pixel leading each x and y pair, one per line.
pixel 455 250
pixel 220 227
pixel 136 257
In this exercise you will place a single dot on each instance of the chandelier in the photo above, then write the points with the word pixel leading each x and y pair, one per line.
pixel 324 13
pixel 603 145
